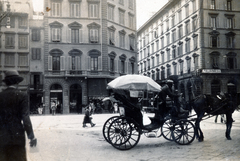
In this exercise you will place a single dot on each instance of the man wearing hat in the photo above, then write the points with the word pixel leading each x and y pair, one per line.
pixel 166 90
pixel 14 120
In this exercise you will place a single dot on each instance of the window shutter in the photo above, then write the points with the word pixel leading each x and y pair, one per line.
pixel 69 63
pixel 69 35
pixel 80 36
pixel 89 63
pixel 62 62
pixel 115 65
pixel 119 66
pixel 49 62
pixel 99 63
pixel 126 67
pixel 78 62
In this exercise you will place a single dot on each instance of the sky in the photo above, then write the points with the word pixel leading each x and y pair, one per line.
pixel 145 9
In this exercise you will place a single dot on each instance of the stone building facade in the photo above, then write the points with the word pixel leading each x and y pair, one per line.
pixel 87 43
pixel 194 42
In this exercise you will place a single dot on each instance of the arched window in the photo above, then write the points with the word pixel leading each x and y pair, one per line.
pixel 56 60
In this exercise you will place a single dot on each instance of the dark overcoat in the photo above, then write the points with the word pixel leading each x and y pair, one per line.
pixel 14 119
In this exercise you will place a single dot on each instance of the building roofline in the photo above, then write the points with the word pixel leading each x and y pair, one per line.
pixel 155 15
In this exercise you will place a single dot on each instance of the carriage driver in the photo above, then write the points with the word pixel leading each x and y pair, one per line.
pixel 167 90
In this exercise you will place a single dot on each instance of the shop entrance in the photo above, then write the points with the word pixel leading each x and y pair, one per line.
pixel 56 97
pixel 75 100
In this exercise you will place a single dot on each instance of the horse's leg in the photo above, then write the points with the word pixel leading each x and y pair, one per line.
pixel 228 126
pixel 198 131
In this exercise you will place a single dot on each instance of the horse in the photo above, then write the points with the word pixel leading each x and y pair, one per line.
pixel 212 106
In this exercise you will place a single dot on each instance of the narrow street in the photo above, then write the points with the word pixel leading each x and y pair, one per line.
pixel 62 138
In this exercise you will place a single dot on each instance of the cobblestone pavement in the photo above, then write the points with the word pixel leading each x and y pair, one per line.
pixel 62 138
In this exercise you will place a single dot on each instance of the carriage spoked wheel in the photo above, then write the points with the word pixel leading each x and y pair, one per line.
pixel 106 126
pixel 167 129
pixel 123 133
pixel 184 132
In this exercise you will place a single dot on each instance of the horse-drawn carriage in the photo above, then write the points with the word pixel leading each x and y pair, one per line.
pixel 123 132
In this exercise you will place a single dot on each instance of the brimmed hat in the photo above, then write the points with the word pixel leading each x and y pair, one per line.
pixel 12 77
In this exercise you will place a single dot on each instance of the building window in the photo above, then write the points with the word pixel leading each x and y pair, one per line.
pixel 122 66
pixel 56 63
pixel 153 48
pixel 131 43
pixel 179 15
pixel 168 70
pixel 93 11
pixel 23 41
pixel 162 55
pixel 9 41
pixel 23 60
pixel 194 23
pixel 187 10
pixel 180 49
pixel 194 5
pixel 121 40
pixel 36 53
pixel 213 4
pixel 187 45
pixel 75 10
pixel 174 55
pixel 181 66
pixel 231 60
pixel 94 63
pixel 187 28
pixel 167 25
pixel 75 62
pixel 162 29
pixel 173 35
pixel 195 61
pixel 111 12
pixel 121 17
pixel 188 64
pixel 56 34
pixel 175 68
pixel 131 21
pixel 111 64
pixel 173 20
pixel 74 35
pixel 131 4
pixel 153 61
pixel 229 23
pixel 214 57
pixel 23 22
pixel 36 35
pixel 163 73
pixel 213 22
pixel 9 59
pixel 230 39
pixel 229 5
pixel 180 32
pixel 93 35
pixel 195 41
pixel 162 42
pixel 56 9
pixel 214 39
pixel 111 37
pixel 168 38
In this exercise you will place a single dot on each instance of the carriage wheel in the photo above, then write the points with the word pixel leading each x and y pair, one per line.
pixel 167 129
pixel 106 126
pixel 184 132
pixel 123 133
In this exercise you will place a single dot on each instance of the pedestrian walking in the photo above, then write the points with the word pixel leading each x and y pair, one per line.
pixel 53 107
pixel 14 120
pixel 87 118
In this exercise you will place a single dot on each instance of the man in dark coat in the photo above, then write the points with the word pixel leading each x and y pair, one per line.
pixel 166 90
pixel 14 120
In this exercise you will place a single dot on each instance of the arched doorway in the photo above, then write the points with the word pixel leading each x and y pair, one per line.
pixel 231 87
pixel 215 87
pixel 75 100
pixel 56 97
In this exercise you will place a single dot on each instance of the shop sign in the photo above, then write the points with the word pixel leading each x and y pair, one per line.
pixel 211 71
